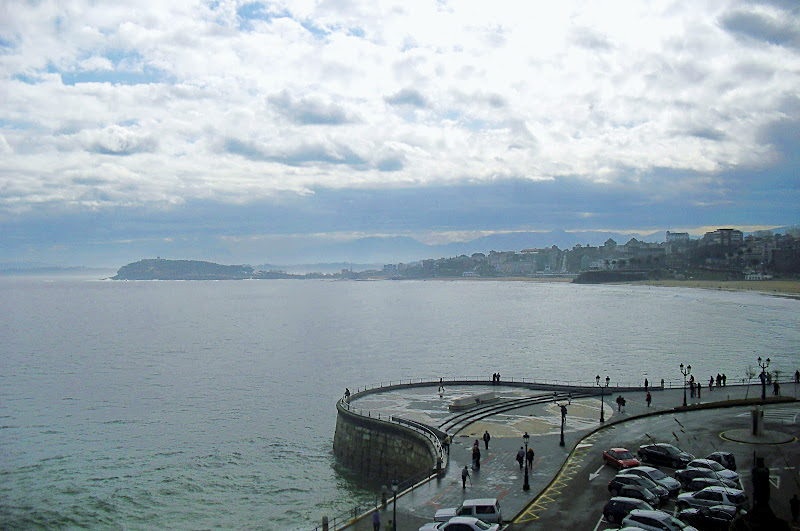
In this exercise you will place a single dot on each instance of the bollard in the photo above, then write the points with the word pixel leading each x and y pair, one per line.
pixel 384 496
pixel 324 523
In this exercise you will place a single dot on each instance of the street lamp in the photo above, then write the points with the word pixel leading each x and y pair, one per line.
pixel 763 377
pixel 602 395
pixel 526 485
pixel 563 419
pixel 685 373
pixel 395 487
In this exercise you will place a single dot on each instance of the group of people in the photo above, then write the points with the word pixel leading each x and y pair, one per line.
pixel 722 381
pixel 496 378
pixel 527 458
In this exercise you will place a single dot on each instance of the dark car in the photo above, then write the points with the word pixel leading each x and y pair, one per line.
pixel 686 475
pixel 701 483
pixel 620 458
pixel 640 493
pixel 622 478
pixel 618 508
pixel 657 477
pixel 714 517
pixel 664 454
pixel 726 459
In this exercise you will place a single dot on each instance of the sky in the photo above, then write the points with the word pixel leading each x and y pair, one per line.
pixel 250 132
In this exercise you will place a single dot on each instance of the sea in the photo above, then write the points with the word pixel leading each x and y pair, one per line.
pixel 211 404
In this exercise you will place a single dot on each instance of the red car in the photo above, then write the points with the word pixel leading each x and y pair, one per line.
pixel 620 458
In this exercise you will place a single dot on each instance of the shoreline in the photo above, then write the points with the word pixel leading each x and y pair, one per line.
pixel 777 288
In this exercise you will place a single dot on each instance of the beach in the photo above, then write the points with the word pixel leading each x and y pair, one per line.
pixel 782 288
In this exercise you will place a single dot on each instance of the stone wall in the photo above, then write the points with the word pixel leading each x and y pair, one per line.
pixel 379 449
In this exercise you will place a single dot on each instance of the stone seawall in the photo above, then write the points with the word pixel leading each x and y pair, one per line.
pixel 379 449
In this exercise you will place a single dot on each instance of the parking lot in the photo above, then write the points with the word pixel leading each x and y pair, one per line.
pixel 576 497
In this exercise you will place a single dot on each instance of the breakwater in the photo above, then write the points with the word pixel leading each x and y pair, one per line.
pixel 381 449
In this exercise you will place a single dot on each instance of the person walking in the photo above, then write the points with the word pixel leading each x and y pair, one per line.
pixel 796 376
pixel 646 384
pixel 529 458
pixel 486 438
pixel 776 387
pixel 376 520
pixel 648 399
pixel 464 476
pixel 520 456
pixel 476 458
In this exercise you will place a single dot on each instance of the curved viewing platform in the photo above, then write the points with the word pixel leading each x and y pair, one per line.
pixel 422 412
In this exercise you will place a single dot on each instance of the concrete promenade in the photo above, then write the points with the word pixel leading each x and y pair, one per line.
pixel 500 476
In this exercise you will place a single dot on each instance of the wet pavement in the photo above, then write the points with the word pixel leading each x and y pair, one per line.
pixel 501 477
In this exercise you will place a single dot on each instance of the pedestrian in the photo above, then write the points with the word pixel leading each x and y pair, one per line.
pixel 529 458
pixel 724 380
pixel 464 476
pixel 376 520
pixel 476 458
pixel 794 505
pixel 646 383
pixel 346 394
pixel 648 399
pixel 691 388
pixel 563 409
pixel 719 380
pixel 446 443
pixel 520 456
pixel 776 388
pixel 619 403
pixel 711 383
pixel 662 383
pixel 698 389
pixel 796 380
pixel 486 438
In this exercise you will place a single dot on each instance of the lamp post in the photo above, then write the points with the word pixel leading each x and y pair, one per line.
pixel 602 396
pixel 685 373
pixel 395 486
pixel 526 485
pixel 763 376
pixel 563 419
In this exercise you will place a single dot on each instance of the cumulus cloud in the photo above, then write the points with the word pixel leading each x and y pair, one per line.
pixel 238 101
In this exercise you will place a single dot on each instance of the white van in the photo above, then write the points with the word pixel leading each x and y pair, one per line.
pixel 486 509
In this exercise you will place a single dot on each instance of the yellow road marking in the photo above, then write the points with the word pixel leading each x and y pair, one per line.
pixel 573 464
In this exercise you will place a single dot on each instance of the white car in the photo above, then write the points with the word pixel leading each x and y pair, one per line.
pixel 486 509
pixel 460 523
pixel 654 521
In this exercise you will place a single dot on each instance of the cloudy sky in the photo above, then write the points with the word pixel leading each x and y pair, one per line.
pixel 248 131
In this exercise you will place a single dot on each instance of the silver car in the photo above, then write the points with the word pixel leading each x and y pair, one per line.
pixel 655 521
pixel 708 464
pixel 657 477
pixel 710 496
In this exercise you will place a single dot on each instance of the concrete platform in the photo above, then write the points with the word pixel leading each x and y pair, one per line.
pixel 499 475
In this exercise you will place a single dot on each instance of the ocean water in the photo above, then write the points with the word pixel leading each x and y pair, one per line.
pixel 208 404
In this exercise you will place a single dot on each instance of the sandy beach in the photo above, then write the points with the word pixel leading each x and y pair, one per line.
pixel 780 288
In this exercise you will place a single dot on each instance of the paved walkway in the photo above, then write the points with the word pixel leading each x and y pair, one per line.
pixel 500 476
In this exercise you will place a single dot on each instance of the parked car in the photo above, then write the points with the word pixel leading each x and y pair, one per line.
pixel 620 458
pixel 655 521
pixel 709 464
pixel 664 454
pixel 486 509
pixel 639 493
pixel 710 496
pixel 714 517
pixel 629 479
pixel 460 523
pixel 726 459
pixel 618 508
pixel 686 475
pixel 657 477
pixel 701 483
